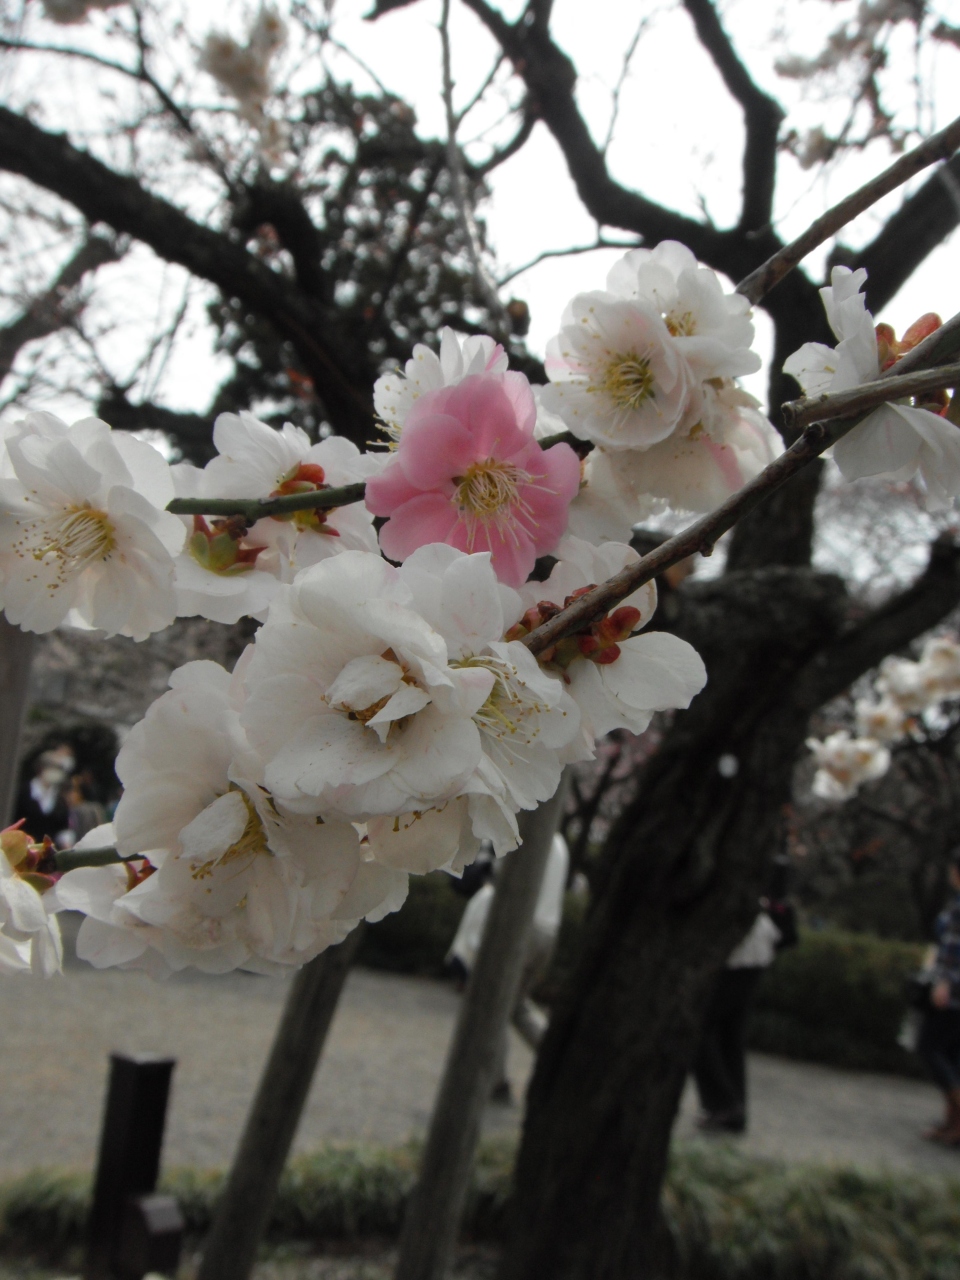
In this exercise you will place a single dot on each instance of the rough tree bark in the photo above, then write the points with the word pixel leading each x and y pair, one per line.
pixel 678 887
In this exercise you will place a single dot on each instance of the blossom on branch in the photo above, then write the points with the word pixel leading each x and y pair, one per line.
pixel 468 471
pixel 83 527
pixel 29 932
pixel 895 441
pixel 617 678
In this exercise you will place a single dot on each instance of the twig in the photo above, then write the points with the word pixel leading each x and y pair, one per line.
pixel 599 243
pixel 621 81
pixel 70 859
pixel 845 404
pixel 939 147
pixel 254 509
pixel 702 535
pixel 487 286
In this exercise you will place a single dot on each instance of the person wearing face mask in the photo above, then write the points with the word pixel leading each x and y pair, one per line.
pixel 41 802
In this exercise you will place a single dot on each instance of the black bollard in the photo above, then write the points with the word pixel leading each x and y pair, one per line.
pixel 131 1230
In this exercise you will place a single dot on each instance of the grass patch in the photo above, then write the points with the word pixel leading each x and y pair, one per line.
pixel 734 1217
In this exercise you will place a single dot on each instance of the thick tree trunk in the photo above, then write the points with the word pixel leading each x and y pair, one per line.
pixel 679 887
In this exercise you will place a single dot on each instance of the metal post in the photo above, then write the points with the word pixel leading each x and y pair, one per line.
pixel 16 656
pixel 129 1159
pixel 244 1208
pixel 432 1221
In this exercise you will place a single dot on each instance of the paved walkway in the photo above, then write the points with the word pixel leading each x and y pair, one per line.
pixel 376 1081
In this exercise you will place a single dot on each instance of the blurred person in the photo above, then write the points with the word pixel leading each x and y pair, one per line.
pixel 41 802
pixel 86 811
pixel 720 1067
pixel 938 1045
pixel 527 1017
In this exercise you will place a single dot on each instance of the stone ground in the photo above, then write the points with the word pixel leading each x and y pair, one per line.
pixel 377 1077
pixel 376 1084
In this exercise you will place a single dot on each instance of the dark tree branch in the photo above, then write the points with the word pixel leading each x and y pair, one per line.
pixel 550 76
pixel 762 116
pixel 192 432
pixel 923 221
pixel 58 305
pixel 103 195
pixel 908 615
pixel 280 206
pixel 509 149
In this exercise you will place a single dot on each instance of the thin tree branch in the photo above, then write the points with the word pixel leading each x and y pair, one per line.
pixel 550 77
pixel 922 222
pixel 846 404
pixel 486 286
pixel 703 533
pixel 940 147
pixel 599 243
pixel 621 81
pixel 510 148
pixel 58 304
pixel 762 116
pixel 254 509
pixel 908 615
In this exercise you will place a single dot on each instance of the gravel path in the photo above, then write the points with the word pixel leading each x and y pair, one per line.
pixel 377 1077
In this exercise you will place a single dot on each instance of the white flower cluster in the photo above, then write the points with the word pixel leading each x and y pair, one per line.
pixel 647 371
pixel 388 716
pixel 896 441
pixel 903 691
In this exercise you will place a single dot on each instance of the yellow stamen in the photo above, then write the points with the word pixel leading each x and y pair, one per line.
pixel 69 542
pixel 252 842
pixel 628 381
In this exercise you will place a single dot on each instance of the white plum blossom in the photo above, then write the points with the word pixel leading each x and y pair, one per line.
pixel 940 667
pixel 617 377
pixel 220 877
pixel 844 763
pixel 395 393
pixel 885 720
pixel 83 527
pixel 378 693
pixel 226 572
pixel 896 441
pixel 29 931
pixel 617 678
pixel 902 681
pixel 217 574
pixel 712 329
pixel 694 472
pixel 244 73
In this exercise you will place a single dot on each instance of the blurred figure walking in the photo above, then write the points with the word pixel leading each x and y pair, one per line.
pixel 939 1043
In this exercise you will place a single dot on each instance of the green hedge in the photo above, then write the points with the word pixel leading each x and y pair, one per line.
pixel 416 938
pixel 838 998
pixel 733 1218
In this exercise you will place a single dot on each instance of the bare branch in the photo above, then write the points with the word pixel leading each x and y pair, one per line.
pixel 254 509
pixel 939 147
pixel 599 243
pixel 922 222
pixel 510 148
pixel 58 305
pixel 102 195
pixel 762 116
pixel 887 629
pixel 487 287
pixel 550 77
pixel 847 404
pixel 621 81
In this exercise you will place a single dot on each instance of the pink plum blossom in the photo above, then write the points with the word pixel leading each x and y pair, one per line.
pixel 468 472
